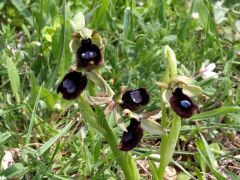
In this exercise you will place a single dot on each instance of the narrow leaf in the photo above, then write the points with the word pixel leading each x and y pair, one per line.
pixel 33 117
pixel 4 137
pixel 14 171
pixel 13 77
pixel 216 112
pixel 23 10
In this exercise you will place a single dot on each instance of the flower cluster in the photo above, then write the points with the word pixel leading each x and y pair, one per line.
pixel 132 100
pixel 87 46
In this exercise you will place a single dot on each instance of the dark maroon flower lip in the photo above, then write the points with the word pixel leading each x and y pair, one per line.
pixel 132 137
pixel 88 55
pixel 134 99
pixel 182 104
pixel 72 85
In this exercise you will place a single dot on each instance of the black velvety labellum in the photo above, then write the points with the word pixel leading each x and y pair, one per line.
pixel 182 104
pixel 72 85
pixel 134 99
pixel 88 55
pixel 132 137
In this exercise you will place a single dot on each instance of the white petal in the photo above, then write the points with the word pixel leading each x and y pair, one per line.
pixel 211 67
pixel 210 74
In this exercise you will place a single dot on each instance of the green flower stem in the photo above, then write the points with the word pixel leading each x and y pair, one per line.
pixel 124 159
pixel 169 141
pixel 168 145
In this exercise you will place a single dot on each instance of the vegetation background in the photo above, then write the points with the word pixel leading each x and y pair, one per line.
pixel 35 130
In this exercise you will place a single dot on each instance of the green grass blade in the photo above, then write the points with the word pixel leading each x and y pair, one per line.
pixel 4 137
pixel 62 44
pixel 23 10
pixel 215 112
pixel 209 153
pixel 49 143
pixel 14 171
pixel 33 115
pixel 154 170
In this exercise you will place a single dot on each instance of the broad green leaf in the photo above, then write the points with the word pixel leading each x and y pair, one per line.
pixel 97 150
pixel 183 31
pixel 101 12
pixel 14 171
pixel 48 96
pixel 13 77
pixel 23 10
pixel 199 174
pixel 202 10
pixel 127 31
pixel 170 38
pixel 53 8
pixel 235 117
pixel 4 137
pixel 89 115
